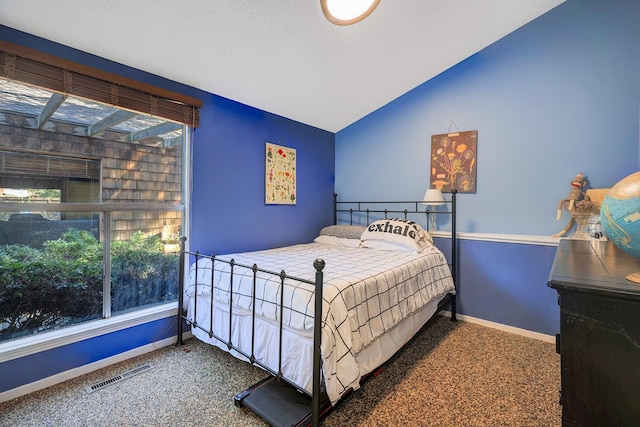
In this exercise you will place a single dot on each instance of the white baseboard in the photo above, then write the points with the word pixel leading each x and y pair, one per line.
pixel 36 343
pixel 85 369
pixel 76 372
pixel 501 327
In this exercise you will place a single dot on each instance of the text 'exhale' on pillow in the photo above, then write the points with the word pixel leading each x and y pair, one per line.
pixel 398 230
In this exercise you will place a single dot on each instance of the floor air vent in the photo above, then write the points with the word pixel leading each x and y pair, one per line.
pixel 123 376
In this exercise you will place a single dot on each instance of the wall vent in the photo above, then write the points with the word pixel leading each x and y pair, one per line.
pixel 123 376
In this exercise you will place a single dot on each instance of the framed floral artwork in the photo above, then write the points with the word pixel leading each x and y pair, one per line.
pixel 453 161
pixel 280 175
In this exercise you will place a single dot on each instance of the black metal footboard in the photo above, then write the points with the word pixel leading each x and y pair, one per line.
pixel 315 395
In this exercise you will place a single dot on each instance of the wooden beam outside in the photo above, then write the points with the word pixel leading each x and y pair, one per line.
pixel 54 102
pixel 110 121
pixel 154 131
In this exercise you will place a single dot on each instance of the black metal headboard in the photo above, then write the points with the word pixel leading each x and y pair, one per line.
pixel 403 208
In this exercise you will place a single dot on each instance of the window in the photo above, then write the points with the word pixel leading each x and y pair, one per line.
pixel 92 201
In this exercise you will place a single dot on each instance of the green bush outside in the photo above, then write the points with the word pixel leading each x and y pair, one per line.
pixel 61 284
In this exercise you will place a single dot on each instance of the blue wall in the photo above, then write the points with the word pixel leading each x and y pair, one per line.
pixel 558 96
pixel 41 365
pixel 228 206
pixel 227 200
pixel 505 283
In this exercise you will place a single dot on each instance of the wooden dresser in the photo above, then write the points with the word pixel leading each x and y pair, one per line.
pixel 599 340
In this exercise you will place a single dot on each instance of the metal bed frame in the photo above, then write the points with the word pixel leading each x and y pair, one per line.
pixel 266 398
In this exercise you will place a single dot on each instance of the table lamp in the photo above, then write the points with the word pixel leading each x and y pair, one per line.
pixel 433 197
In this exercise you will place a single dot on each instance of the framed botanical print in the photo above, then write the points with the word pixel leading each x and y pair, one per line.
pixel 453 161
pixel 280 175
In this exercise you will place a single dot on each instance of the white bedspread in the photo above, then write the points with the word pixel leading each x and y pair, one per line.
pixel 366 292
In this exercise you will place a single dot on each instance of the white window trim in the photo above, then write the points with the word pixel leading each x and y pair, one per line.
pixel 32 344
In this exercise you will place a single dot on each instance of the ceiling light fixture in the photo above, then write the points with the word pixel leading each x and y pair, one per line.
pixel 347 12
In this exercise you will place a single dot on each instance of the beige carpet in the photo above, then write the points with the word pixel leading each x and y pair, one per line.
pixel 451 374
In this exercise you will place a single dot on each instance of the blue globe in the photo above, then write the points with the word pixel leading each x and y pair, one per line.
pixel 620 214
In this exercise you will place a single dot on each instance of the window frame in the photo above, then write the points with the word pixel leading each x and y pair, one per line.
pixel 36 343
pixel 17 63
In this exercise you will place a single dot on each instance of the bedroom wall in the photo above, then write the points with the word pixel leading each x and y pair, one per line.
pixel 558 96
pixel 503 285
pixel 227 200
pixel 228 205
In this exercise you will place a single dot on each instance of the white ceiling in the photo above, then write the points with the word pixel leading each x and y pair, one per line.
pixel 281 56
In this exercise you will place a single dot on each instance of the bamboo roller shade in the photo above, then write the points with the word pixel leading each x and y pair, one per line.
pixel 48 166
pixel 68 78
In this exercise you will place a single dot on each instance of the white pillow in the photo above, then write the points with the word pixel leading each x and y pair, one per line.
pixel 338 241
pixel 344 231
pixel 384 245
pixel 400 231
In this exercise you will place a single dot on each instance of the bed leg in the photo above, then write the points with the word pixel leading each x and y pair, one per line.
pixel 317 332
pixel 453 309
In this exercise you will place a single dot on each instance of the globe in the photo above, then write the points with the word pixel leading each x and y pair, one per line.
pixel 620 217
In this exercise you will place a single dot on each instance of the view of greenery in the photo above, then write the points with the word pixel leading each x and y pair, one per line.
pixel 49 194
pixel 62 283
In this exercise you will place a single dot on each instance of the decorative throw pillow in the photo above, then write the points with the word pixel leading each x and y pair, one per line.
pixel 343 231
pixel 398 230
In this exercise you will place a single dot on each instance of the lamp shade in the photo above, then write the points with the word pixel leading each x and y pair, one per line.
pixel 433 197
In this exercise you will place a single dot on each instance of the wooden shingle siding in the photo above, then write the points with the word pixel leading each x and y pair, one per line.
pixel 129 173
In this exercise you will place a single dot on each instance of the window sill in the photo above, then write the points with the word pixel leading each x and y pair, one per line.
pixel 33 344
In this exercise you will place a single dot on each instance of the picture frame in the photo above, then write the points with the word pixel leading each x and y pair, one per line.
pixel 280 175
pixel 454 161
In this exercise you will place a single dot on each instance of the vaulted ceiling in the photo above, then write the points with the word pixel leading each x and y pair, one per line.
pixel 281 56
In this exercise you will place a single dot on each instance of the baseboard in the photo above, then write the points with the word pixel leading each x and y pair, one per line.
pixel 85 369
pixel 502 327
pixel 76 372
